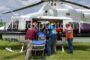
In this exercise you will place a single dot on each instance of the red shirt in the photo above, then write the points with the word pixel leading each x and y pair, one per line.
pixel 30 34
pixel 58 29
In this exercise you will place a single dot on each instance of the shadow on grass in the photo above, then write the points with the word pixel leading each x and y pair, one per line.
pixel 81 47
pixel 76 47
pixel 38 55
pixel 16 47
pixel 39 58
pixel 11 56
pixel 34 57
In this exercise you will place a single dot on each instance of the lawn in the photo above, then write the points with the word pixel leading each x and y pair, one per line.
pixel 81 52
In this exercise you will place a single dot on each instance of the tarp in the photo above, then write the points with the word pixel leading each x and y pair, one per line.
pixel 38 42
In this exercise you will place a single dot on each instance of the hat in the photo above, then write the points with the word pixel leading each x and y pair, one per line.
pixel 52 23
pixel 50 27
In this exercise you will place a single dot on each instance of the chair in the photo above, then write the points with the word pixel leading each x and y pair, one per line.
pixel 38 45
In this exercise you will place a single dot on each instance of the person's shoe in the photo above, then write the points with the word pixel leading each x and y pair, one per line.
pixel 70 52
pixel 48 54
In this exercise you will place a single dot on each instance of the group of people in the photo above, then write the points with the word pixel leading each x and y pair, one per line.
pixel 50 35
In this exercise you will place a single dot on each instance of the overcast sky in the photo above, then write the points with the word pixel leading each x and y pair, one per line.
pixel 7 5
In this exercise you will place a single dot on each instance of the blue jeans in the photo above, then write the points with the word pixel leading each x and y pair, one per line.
pixel 51 44
pixel 70 45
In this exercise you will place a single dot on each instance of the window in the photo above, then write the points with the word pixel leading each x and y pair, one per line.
pixel 68 14
pixel 13 26
pixel 28 24
pixel 75 25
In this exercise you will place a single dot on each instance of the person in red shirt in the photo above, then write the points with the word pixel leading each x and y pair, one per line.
pixel 59 33
pixel 30 35
pixel 69 37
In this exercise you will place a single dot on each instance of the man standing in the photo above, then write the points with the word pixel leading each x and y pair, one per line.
pixel 30 35
pixel 51 43
pixel 69 37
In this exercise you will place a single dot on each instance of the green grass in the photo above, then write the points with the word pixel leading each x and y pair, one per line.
pixel 5 55
pixel 81 52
